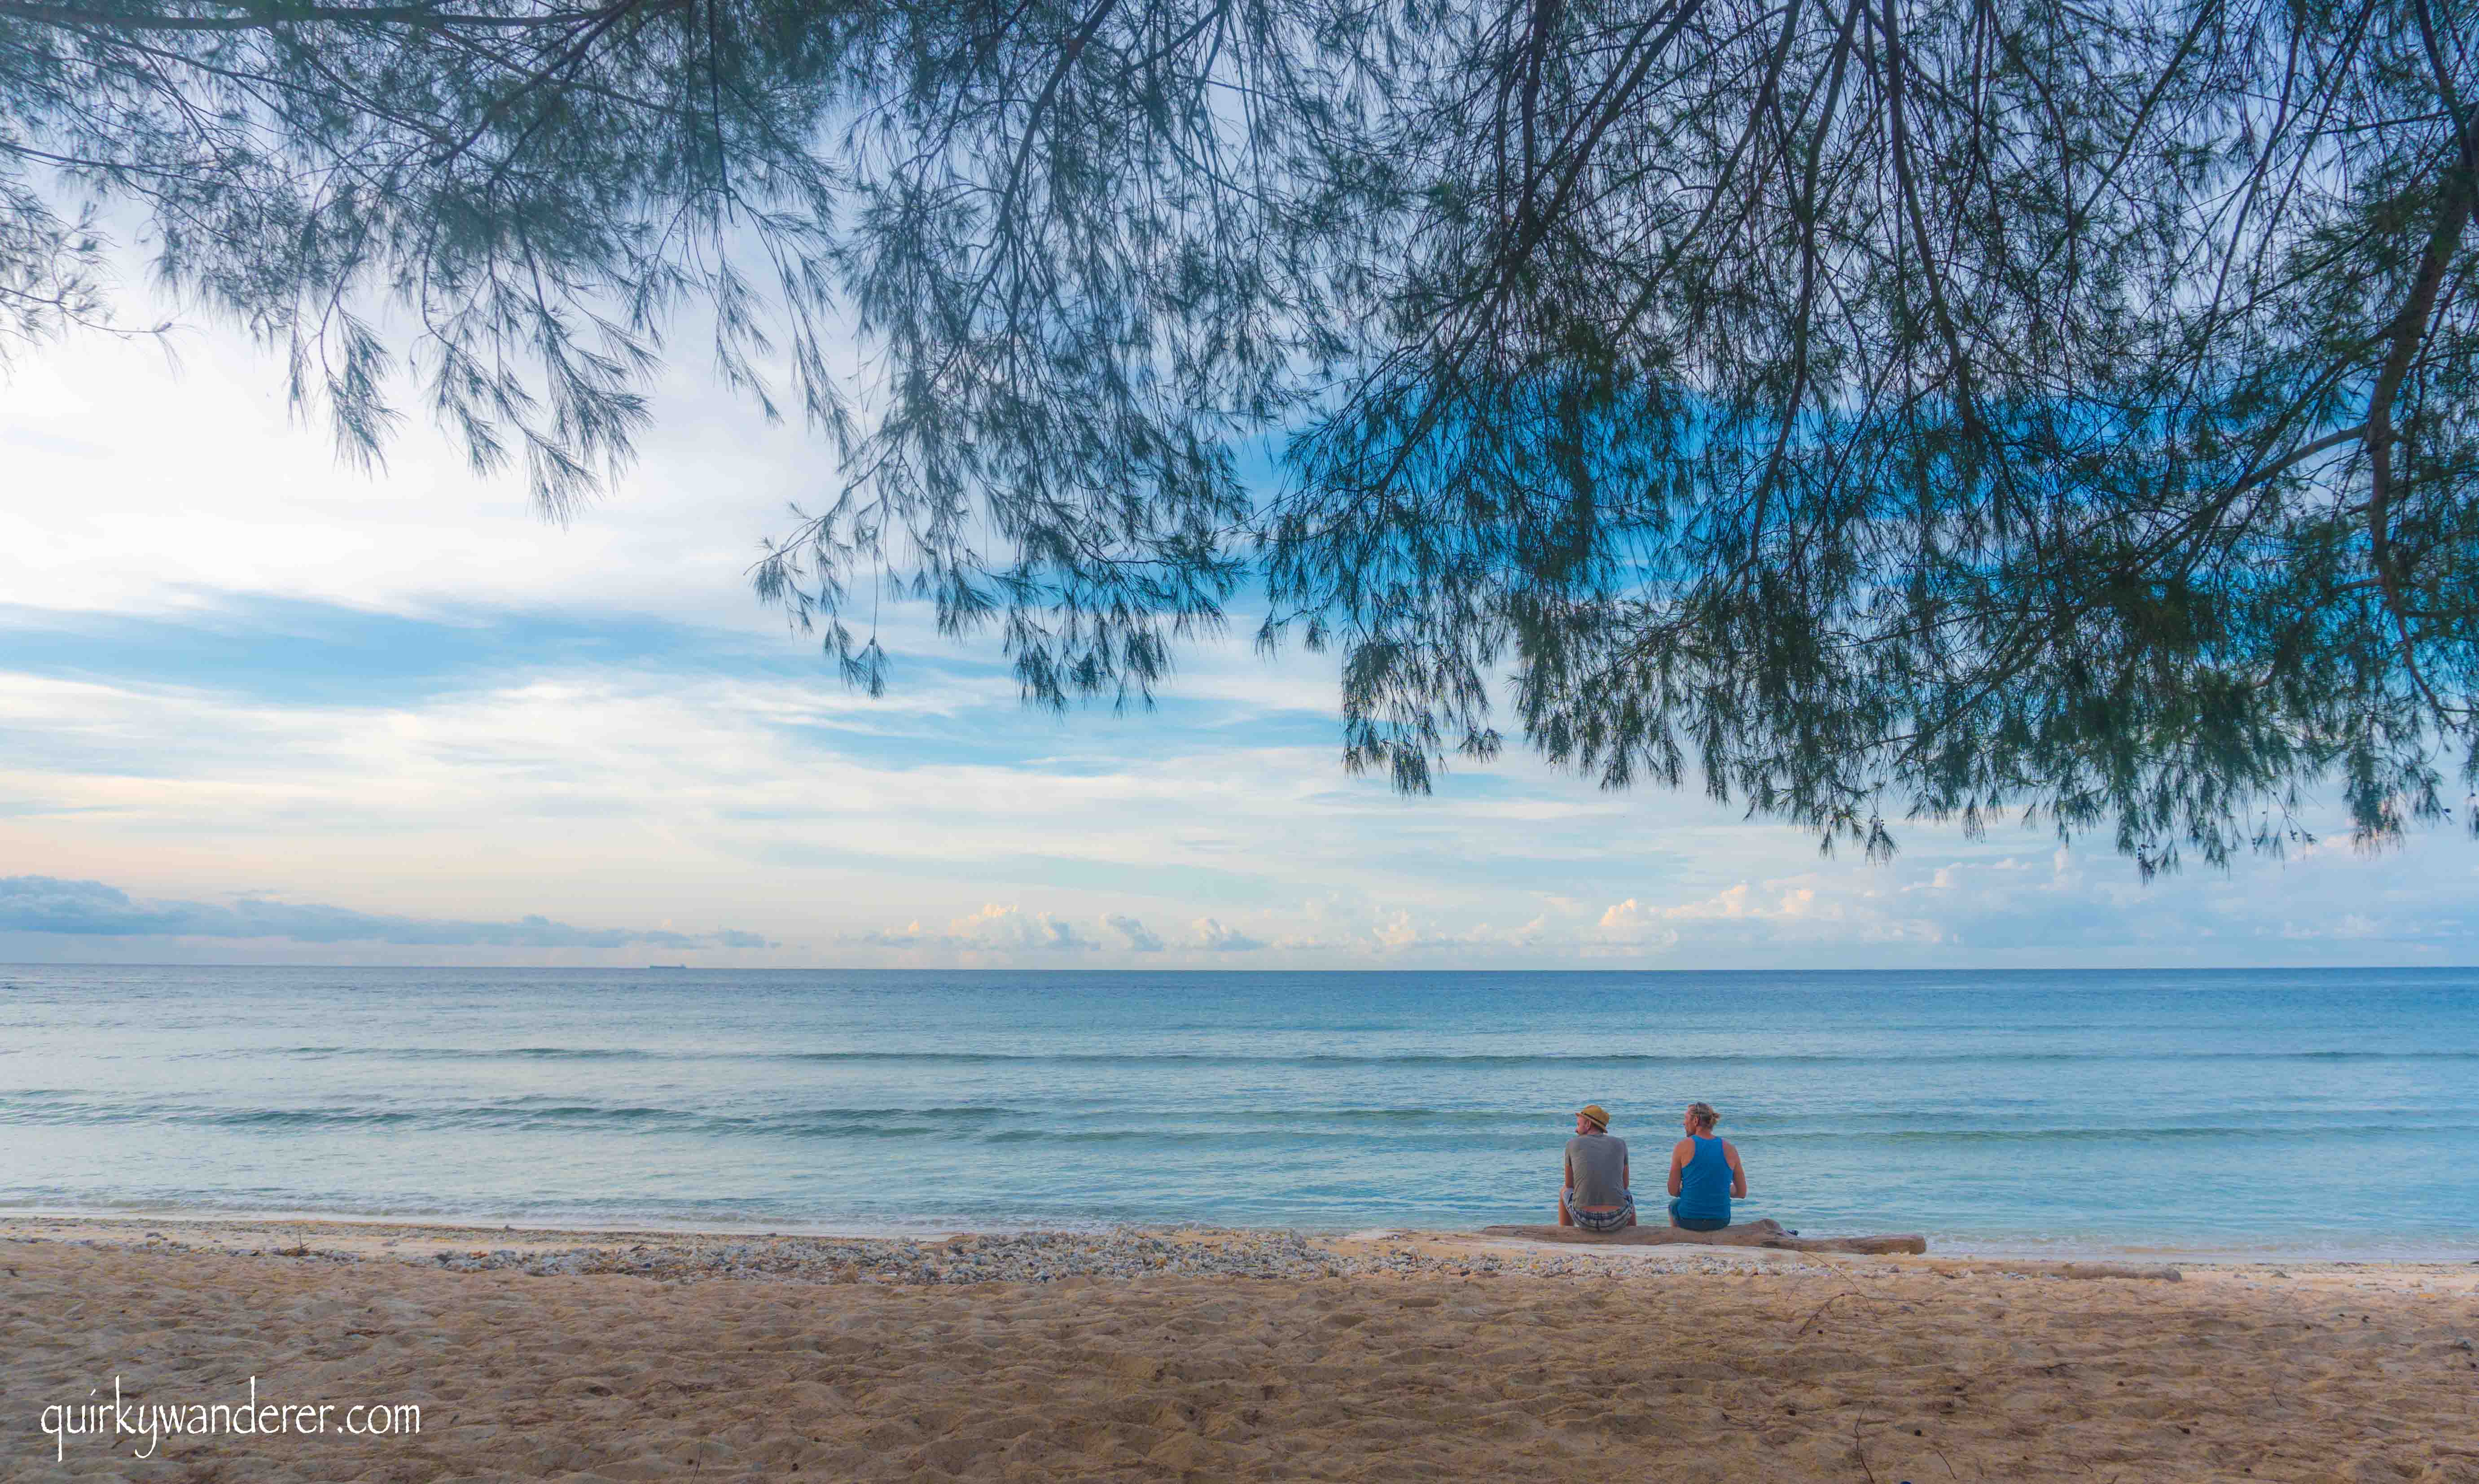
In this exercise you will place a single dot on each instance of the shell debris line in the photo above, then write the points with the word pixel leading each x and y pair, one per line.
pixel 1117 1254
pixel 1113 1254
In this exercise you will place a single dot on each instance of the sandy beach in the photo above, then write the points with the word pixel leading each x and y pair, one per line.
pixel 1153 1355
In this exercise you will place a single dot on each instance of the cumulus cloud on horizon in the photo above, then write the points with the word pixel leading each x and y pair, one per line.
pixel 1213 938
pixel 1006 928
pixel 1141 938
pixel 997 927
pixel 47 904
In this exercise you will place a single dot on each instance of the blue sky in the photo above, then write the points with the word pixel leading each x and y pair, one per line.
pixel 263 707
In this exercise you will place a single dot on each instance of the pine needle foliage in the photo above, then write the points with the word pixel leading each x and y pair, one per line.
pixel 1937 408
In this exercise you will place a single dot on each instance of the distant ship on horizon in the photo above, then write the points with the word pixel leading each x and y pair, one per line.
pixel 666 966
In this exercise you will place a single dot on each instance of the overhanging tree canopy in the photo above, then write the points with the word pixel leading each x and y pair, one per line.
pixel 1966 405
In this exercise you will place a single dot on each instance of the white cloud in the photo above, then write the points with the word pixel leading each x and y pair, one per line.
pixel 1008 927
pixel 1630 924
pixel 1213 938
pixel 1004 931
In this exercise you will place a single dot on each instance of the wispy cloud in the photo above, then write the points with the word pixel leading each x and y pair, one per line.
pixel 224 662
pixel 46 903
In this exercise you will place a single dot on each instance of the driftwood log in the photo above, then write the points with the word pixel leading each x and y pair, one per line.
pixel 1767 1232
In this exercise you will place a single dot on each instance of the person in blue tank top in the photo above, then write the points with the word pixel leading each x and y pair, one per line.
pixel 1705 1174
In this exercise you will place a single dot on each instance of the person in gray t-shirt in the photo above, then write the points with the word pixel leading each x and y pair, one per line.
pixel 1595 1193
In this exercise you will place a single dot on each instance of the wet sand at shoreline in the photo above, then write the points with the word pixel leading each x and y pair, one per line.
pixel 627 1356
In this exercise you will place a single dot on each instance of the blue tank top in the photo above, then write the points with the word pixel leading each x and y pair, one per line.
pixel 1704 1185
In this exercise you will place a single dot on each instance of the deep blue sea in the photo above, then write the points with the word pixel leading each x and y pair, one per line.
pixel 2331 1113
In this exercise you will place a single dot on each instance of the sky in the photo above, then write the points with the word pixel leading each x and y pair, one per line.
pixel 265 707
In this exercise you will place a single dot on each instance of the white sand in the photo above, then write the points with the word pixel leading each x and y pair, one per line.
pixel 1638 1364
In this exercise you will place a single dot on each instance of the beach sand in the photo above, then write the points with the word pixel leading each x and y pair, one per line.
pixel 1405 1357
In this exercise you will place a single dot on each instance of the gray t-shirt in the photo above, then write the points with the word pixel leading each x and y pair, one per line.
pixel 1598 1164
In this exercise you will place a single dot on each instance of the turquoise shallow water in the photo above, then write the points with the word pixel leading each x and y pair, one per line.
pixel 2331 1113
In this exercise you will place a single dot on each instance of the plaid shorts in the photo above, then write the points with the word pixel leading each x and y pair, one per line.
pixel 1597 1220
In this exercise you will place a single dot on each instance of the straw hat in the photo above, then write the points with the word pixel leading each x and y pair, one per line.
pixel 1597 1112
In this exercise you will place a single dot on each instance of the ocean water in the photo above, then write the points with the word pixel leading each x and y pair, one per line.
pixel 2327 1112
